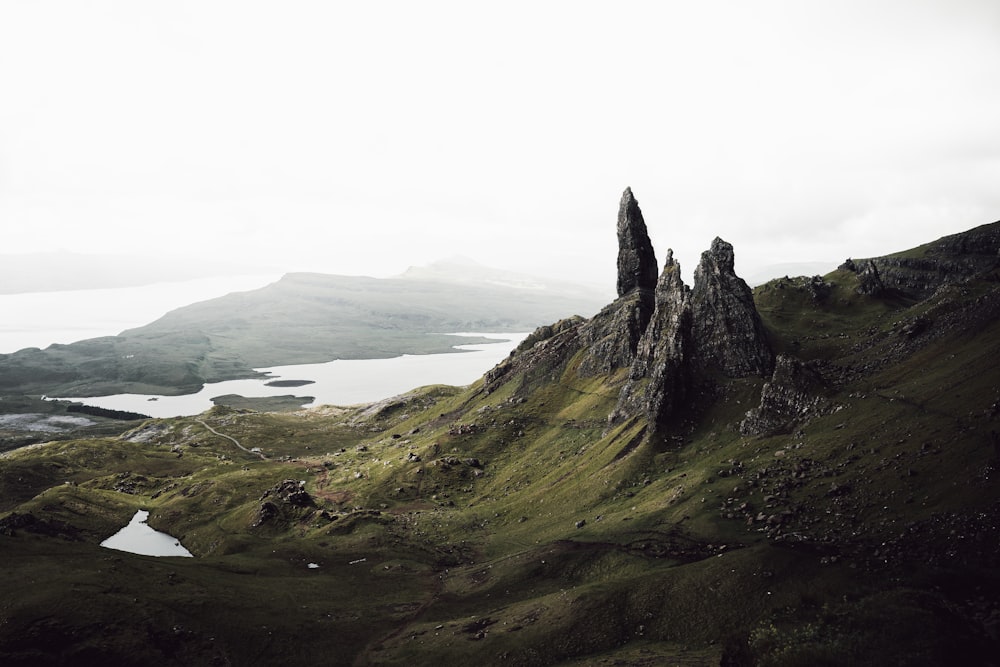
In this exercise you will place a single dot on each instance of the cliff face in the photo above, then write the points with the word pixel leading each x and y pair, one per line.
pixel 919 272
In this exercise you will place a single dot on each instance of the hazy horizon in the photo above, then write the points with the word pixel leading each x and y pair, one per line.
pixel 362 139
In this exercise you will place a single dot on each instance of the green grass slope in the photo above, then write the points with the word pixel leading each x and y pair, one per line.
pixel 514 527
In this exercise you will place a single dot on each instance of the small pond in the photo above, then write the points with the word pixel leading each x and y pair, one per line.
pixel 139 538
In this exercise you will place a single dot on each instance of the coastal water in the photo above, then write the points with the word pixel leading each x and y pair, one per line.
pixel 42 318
pixel 341 382
pixel 139 538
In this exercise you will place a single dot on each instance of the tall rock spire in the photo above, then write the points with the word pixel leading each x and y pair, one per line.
pixel 612 336
pixel 660 376
pixel 636 259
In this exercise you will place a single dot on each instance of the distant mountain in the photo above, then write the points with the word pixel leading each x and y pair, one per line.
pixel 302 318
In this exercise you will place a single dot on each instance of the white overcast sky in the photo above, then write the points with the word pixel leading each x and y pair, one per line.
pixel 363 137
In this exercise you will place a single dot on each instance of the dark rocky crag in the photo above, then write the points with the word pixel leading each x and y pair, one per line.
pixel 660 376
pixel 636 259
pixel 792 395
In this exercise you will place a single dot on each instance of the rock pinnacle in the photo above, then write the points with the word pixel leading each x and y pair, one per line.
pixel 636 259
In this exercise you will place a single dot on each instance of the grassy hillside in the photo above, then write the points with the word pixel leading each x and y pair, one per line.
pixel 515 527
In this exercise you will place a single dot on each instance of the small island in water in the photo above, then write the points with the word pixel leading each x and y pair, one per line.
pixel 288 383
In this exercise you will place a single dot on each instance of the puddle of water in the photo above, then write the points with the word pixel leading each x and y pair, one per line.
pixel 138 538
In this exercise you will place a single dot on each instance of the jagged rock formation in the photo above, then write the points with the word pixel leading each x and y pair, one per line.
pixel 544 352
pixel 612 337
pixel 673 340
pixel 660 376
pixel 729 333
pixel 694 334
pixel 790 397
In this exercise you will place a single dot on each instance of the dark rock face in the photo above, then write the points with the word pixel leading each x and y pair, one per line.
pixel 729 334
pixel 790 397
pixel 636 259
pixel 660 376
pixel 612 336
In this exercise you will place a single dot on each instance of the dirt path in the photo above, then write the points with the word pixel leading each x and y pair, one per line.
pixel 231 439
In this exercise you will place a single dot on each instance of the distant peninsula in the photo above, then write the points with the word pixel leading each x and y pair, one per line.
pixel 303 318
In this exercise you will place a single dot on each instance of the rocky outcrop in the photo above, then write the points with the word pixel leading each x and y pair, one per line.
pixel 869 282
pixel 660 376
pixel 636 259
pixel 728 331
pixel 287 500
pixel 792 396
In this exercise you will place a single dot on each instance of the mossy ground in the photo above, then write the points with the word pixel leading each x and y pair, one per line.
pixel 455 526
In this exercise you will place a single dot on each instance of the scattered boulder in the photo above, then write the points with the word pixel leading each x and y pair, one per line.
pixel 288 499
